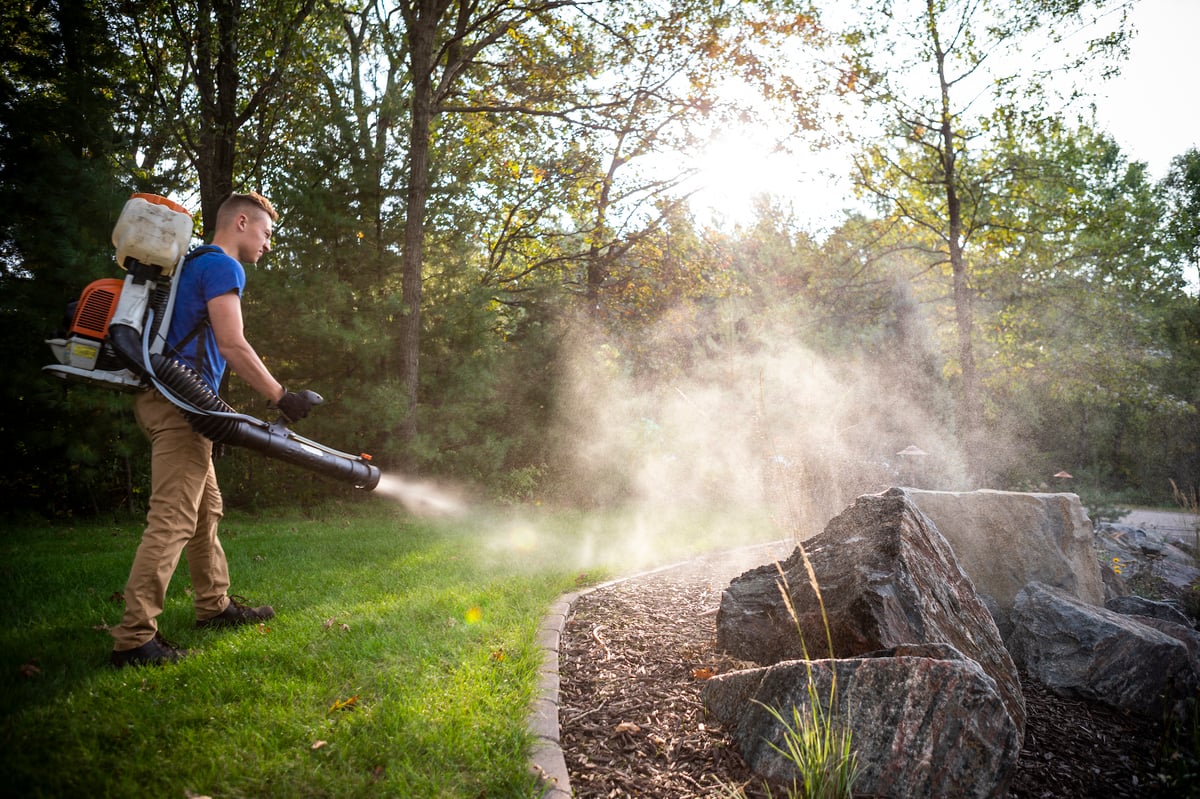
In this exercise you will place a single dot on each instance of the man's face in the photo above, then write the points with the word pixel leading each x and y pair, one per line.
pixel 254 240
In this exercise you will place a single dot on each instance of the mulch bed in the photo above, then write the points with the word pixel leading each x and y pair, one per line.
pixel 633 656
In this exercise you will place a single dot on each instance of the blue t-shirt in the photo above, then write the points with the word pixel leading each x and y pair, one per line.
pixel 209 274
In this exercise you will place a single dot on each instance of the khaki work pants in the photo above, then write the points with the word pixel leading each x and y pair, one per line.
pixel 185 509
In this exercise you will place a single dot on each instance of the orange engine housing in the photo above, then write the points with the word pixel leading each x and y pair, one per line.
pixel 95 309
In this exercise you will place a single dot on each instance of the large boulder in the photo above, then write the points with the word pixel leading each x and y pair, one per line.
pixel 1004 540
pixel 924 720
pixel 1140 606
pixel 1165 556
pixel 887 578
pixel 1076 649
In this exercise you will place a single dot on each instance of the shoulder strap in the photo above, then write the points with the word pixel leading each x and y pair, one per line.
pixel 203 321
pixel 201 250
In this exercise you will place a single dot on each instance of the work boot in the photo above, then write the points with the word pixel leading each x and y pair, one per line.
pixel 237 612
pixel 155 652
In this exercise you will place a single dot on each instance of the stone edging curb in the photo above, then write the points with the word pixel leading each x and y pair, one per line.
pixel 546 760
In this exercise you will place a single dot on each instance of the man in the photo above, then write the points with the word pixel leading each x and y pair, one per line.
pixel 185 503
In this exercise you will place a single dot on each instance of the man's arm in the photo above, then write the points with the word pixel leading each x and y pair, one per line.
pixel 225 315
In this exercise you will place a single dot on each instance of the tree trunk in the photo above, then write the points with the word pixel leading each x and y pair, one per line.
pixel 597 268
pixel 218 85
pixel 422 26
pixel 968 414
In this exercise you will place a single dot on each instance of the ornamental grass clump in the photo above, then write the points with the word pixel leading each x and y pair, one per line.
pixel 818 743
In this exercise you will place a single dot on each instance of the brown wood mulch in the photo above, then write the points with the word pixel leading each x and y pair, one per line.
pixel 633 656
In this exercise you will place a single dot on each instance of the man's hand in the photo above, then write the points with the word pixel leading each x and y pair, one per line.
pixel 295 406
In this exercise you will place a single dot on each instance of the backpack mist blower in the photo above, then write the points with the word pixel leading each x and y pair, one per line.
pixel 117 334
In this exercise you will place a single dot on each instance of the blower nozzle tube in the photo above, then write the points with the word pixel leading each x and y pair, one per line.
pixel 213 418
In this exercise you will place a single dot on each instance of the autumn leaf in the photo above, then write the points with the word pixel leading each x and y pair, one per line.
pixel 329 622
pixel 344 704
pixel 703 673
pixel 319 744
pixel 498 654
pixel 627 726
pixel 263 629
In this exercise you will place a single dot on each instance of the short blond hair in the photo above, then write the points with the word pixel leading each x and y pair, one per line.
pixel 237 203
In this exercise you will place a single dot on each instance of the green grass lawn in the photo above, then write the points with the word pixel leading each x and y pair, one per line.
pixel 401 662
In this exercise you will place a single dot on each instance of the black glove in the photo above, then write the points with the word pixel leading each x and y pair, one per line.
pixel 293 407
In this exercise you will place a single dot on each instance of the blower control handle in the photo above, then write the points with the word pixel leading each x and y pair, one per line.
pixel 294 406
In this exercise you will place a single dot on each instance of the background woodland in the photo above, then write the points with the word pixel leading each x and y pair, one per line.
pixel 489 264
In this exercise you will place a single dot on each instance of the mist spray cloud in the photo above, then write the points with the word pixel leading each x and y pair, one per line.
pixel 762 425
pixel 421 497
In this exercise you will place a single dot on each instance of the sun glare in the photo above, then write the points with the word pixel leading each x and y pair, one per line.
pixel 745 163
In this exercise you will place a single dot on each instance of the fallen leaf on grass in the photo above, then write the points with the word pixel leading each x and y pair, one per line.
pixel 498 654
pixel 30 670
pixel 329 622
pixel 263 629
pixel 377 774
pixel 344 704
pixel 318 744
pixel 189 795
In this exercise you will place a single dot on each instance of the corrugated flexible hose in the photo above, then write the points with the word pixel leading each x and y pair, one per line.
pixel 213 418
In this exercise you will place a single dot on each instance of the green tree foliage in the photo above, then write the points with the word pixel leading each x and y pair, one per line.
pixel 474 194
pixel 1180 321
pixel 1071 321
pixel 63 448
pixel 209 70
pixel 939 70
pixel 1181 189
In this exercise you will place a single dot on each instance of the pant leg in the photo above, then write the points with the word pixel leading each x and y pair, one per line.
pixel 180 463
pixel 207 565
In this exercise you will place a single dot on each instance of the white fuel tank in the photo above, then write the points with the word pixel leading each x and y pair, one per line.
pixel 152 230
